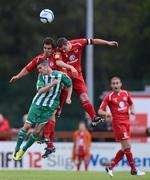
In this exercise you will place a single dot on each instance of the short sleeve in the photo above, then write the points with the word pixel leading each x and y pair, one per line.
pixel 30 66
pixel 104 103
pixel 66 80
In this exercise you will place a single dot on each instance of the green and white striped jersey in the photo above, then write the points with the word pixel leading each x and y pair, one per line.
pixel 53 94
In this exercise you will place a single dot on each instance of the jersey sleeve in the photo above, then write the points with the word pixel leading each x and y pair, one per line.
pixel 66 80
pixel 104 103
pixel 129 99
pixel 40 82
pixel 83 41
pixel 30 66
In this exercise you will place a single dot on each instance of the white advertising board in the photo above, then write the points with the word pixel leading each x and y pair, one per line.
pixel 61 159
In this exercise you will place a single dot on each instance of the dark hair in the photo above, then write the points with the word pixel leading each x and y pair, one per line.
pixel 43 61
pixel 115 77
pixel 61 41
pixel 49 40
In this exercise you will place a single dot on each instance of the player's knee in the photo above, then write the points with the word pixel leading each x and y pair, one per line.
pixel 37 131
pixel 84 97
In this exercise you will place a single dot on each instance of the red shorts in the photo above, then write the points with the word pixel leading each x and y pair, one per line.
pixel 79 85
pixel 121 131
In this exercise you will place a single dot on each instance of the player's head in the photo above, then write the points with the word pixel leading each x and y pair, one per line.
pixel 64 44
pixel 43 67
pixel 48 46
pixel 116 84
pixel 82 126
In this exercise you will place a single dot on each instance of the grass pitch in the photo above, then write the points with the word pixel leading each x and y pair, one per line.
pixel 64 175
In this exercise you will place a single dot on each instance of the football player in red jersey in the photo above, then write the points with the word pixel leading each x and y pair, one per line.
pixel 70 53
pixel 48 52
pixel 120 103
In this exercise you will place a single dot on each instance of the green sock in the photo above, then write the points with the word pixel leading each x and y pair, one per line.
pixel 31 140
pixel 21 136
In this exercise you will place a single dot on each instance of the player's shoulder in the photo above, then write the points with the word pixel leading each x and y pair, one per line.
pixel 123 91
pixel 78 41
pixel 108 93
pixel 57 73
pixel 40 56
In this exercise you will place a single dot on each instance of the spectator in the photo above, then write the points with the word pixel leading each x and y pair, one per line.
pixel 81 146
pixel 4 126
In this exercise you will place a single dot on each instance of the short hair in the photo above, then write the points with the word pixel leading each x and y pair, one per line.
pixel 49 40
pixel 61 41
pixel 43 61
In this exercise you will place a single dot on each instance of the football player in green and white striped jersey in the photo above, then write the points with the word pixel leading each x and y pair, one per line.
pixel 44 104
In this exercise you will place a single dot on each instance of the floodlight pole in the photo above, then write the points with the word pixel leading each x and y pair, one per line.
pixel 89 49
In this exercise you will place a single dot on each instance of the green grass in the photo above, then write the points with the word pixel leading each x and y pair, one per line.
pixel 64 175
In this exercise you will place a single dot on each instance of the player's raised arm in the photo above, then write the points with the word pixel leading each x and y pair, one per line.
pixel 104 42
pixel 62 64
pixel 21 74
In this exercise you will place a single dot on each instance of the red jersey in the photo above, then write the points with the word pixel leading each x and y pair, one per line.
pixel 118 104
pixel 73 57
pixel 30 66
pixel 80 144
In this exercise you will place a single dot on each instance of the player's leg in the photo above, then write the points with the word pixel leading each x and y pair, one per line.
pixel 79 160
pixel 37 115
pixel 127 150
pixel 119 155
pixel 34 136
pixel 21 137
pixel 50 146
pixel 80 89
pixel 86 164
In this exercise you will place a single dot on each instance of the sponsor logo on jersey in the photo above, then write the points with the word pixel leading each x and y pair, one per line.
pixel 51 64
pixel 72 57
pixel 121 104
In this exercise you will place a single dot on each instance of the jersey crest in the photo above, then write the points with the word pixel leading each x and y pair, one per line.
pixel 72 57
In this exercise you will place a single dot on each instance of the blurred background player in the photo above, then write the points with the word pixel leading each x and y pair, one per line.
pixel 120 103
pixel 48 53
pixel 44 104
pixel 4 126
pixel 70 53
pixel 81 146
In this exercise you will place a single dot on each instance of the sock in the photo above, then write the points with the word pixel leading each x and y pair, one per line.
pixel 89 108
pixel 78 165
pixel 117 158
pixel 51 133
pixel 86 163
pixel 21 136
pixel 47 129
pixel 30 141
pixel 129 156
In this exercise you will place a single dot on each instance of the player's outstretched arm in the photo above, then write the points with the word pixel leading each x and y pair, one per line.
pixel 105 42
pixel 21 74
